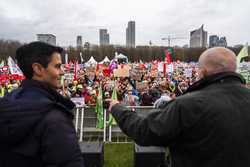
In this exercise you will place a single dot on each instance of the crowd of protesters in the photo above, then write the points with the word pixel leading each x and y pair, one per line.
pixel 142 89
pixel 8 86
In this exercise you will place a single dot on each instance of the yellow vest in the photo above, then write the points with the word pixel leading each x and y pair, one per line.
pixel 9 87
pixel 2 90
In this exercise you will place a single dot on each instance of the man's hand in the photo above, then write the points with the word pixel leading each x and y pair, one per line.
pixel 112 103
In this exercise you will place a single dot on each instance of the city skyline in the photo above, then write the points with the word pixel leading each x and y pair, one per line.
pixel 131 34
pixel 103 37
pixel 155 20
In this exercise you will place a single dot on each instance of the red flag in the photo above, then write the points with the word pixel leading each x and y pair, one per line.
pixel 67 66
pixel 142 66
pixel 164 68
pixel 97 68
pixel 106 72
pixel 167 57
pixel 75 70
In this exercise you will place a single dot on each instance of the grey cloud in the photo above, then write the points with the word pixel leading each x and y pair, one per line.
pixel 154 20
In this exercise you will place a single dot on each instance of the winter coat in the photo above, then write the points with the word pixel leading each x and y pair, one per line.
pixel 209 126
pixel 36 128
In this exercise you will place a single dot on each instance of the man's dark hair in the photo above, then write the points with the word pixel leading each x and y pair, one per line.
pixel 35 52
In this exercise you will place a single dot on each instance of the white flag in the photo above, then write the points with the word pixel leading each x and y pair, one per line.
pixel 2 63
pixel 14 69
pixel 170 68
pixel 81 57
pixel 66 58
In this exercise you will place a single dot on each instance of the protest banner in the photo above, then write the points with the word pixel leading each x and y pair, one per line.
pixel 188 72
pixel 244 70
pixel 121 72
pixel 79 101
pixel 135 74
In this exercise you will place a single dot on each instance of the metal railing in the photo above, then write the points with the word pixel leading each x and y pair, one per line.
pixel 85 125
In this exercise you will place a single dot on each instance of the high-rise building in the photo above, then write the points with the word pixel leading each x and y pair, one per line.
pixel 86 45
pixel 79 42
pixel 47 38
pixel 198 38
pixel 214 40
pixel 130 34
pixel 222 42
pixel 104 37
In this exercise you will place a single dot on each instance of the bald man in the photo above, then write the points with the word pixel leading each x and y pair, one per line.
pixel 216 60
pixel 209 126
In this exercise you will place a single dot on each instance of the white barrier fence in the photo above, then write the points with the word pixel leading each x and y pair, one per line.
pixel 85 125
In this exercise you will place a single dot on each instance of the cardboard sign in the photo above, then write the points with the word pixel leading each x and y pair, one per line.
pixel 121 72
pixel 170 68
pixel 154 73
pixel 160 67
pixel 135 74
pixel 79 101
pixel 69 76
pixel 188 72
pixel 244 70
pixel 90 69
pixel 124 66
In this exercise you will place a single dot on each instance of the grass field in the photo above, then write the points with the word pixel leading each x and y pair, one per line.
pixel 118 154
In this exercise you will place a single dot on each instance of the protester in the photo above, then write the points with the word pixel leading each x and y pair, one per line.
pixel 207 126
pixel 147 80
pixel 2 90
pixel 130 99
pixel 159 103
pixel 36 127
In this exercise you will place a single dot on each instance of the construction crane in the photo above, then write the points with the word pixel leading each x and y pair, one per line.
pixel 172 38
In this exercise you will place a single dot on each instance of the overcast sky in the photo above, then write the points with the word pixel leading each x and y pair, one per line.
pixel 155 19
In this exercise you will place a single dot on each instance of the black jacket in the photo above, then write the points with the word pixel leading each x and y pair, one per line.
pixel 36 128
pixel 209 126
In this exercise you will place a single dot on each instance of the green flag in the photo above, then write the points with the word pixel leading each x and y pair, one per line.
pixel 111 120
pixel 99 109
pixel 114 94
pixel 243 53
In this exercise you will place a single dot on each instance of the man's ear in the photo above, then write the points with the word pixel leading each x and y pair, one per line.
pixel 202 72
pixel 205 72
pixel 37 69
